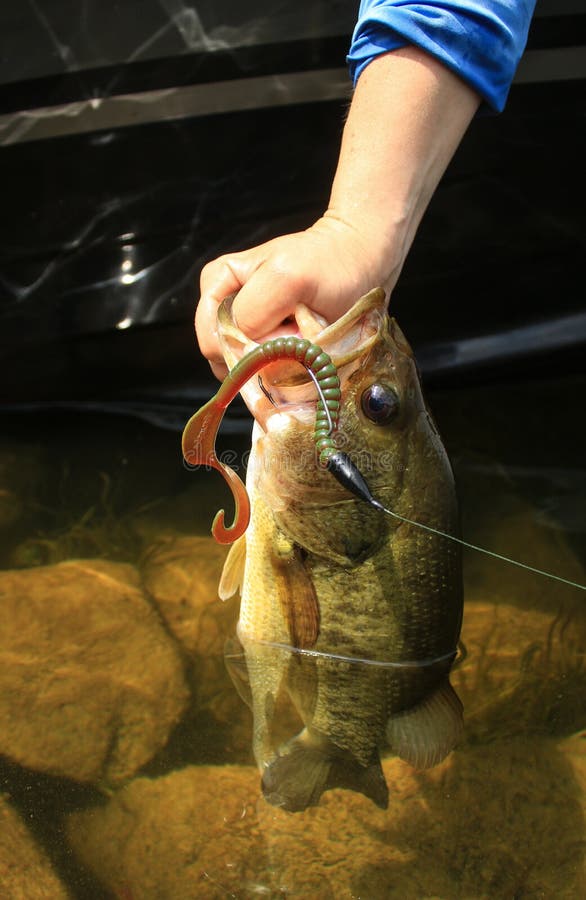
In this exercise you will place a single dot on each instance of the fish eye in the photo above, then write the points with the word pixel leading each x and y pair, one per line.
pixel 380 404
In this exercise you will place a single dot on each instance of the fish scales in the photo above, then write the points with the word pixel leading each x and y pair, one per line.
pixel 387 594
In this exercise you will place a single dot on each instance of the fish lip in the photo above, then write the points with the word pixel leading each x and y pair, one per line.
pixel 346 340
pixel 372 301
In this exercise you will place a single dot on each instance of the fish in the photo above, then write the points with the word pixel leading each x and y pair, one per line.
pixel 349 619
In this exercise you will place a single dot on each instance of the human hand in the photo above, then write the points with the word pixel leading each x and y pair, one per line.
pixel 328 267
pixel 407 117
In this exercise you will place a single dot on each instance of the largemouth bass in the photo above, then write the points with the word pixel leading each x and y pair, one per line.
pixel 348 615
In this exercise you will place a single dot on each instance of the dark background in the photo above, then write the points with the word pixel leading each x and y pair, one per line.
pixel 103 233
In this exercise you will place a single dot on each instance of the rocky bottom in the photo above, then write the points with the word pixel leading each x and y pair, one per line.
pixel 500 820
pixel 125 764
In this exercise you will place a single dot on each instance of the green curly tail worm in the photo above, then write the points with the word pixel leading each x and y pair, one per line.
pixel 199 437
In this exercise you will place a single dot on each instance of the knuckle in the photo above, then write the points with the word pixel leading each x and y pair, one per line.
pixel 301 284
pixel 210 268
pixel 286 264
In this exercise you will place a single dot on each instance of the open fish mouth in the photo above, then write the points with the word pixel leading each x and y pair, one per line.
pixel 285 385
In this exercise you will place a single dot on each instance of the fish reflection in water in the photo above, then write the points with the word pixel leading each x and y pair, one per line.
pixel 321 572
pixel 285 715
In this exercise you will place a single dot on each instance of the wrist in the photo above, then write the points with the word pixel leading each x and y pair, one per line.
pixel 406 119
pixel 365 244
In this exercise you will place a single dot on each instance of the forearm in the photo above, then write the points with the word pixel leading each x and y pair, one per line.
pixel 407 117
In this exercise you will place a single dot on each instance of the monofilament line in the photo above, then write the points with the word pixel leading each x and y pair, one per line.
pixel 318 388
pixel 507 559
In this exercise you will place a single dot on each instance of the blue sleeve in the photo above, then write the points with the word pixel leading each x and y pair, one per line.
pixel 481 40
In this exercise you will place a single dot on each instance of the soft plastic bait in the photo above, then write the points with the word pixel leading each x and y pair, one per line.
pixel 199 441
pixel 199 436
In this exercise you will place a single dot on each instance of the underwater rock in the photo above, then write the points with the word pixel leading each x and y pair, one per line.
pixel 90 683
pixel 190 510
pixel 497 518
pixel 11 508
pixel 520 537
pixel 25 871
pixel 181 574
pixel 524 671
pixel 574 749
pixel 503 819
pixel 21 471
pixel 21 466
pixel 192 826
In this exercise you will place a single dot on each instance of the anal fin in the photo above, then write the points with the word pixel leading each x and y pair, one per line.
pixel 426 733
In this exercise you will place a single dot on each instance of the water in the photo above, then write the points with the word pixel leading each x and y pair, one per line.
pixel 127 768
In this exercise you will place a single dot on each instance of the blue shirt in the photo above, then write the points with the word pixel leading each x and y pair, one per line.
pixel 481 40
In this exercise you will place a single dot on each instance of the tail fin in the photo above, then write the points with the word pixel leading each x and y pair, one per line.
pixel 302 772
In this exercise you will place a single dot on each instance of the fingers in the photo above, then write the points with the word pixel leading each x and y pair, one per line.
pixel 218 279
pixel 325 267
pixel 220 370
pixel 269 297
pixel 268 286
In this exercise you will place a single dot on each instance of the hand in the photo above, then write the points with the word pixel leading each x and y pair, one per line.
pixel 328 267
pixel 406 119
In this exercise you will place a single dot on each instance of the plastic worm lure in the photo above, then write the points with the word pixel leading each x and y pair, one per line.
pixel 199 437
pixel 199 440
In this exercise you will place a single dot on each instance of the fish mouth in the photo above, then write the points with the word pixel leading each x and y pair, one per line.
pixel 285 387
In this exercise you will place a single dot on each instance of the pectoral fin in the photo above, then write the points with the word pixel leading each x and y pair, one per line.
pixel 233 571
pixel 425 734
pixel 296 593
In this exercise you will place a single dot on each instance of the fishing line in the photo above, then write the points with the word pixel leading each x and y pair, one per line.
pixel 266 392
pixel 357 660
pixel 199 436
pixel 323 400
pixel 320 392
pixel 507 559
pixel 344 470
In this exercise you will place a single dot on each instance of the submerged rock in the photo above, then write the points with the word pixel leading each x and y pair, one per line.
pixel 502 820
pixel 25 871
pixel 181 574
pixel 90 683
pixel 11 508
pixel 524 671
pixel 496 517
pixel 22 470
pixel 502 816
pixel 574 749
